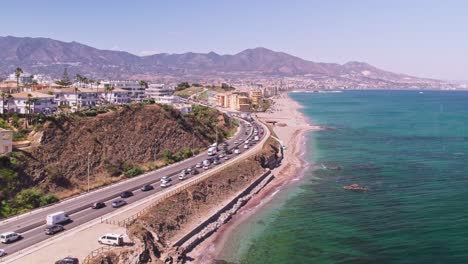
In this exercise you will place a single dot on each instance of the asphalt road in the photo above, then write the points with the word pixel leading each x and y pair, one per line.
pixel 31 226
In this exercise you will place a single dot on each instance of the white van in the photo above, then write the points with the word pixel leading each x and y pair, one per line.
pixel 256 138
pixel 111 239
pixel 57 218
pixel 212 151
pixel 9 237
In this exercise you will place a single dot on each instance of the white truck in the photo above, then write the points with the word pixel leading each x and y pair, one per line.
pixel 57 218
pixel 212 151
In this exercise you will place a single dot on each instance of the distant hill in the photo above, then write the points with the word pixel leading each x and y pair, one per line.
pixel 44 55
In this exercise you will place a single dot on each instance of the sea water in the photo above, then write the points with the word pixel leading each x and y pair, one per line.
pixel 410 149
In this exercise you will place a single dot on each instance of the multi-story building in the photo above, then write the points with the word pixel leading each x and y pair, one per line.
pixel 161 94
pixel 5 141
pixel 114 96
pixel 32 102
pixel 255 96
pixel 136 91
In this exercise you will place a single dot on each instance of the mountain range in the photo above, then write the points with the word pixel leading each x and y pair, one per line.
pixel 48 56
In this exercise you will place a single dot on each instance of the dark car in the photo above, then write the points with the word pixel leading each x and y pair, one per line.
pixel 98 205
pixel 147 187
pixel 194 172
pixel 118 203
pixel 67 260
pixel 53 229
pixel 126 194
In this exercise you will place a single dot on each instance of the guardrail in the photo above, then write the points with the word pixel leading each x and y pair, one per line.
pixel 97 252
pixel 124 223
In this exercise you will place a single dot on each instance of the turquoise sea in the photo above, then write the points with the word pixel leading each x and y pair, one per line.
pixel 409 148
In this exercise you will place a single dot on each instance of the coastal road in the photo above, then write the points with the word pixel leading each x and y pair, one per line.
pixel 32 225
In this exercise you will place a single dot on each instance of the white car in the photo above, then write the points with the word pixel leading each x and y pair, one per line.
pixel 199 165
pixel 246 146
pixel 165 184
pixel 2 252
pixel 9 237
pixel 237 151
pixel 166 179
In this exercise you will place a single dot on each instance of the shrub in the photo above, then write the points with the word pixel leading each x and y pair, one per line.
pixel 48 199
pixel 135 171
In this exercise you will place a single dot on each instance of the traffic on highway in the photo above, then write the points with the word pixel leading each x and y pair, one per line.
pixel 23 231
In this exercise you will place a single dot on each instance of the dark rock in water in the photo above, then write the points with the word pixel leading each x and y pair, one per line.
pixel 355 187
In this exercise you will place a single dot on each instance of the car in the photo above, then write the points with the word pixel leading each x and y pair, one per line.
pixel 206 167
pixel 118 203
pixel 246 146
pixel 111 239
pixel 184 172
pixel 165 184
pixel 53 229
pixel 2 252
pixel 126 194
pixel 226 157
pixel 98 205
pixel 194 172
pixel 235 142
pixel 68 260
pixel 216 162
pixel 147 187
pixel 221 156
pixel 166 179
pixel 182 177
pixel 8 237
pixel 199 165
pixel 237 151
pixel 189 170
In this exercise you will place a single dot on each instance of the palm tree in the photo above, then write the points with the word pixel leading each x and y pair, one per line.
pixel 9 97
pixel 79 79
pixel 143 84
pixel 29 102
pixel 18 72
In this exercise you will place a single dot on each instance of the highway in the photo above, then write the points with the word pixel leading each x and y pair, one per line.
pixel 31 225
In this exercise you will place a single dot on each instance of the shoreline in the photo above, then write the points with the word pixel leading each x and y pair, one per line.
pixel 291 129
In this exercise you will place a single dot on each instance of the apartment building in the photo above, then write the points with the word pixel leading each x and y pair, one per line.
pixel 161 94
pixel 135 90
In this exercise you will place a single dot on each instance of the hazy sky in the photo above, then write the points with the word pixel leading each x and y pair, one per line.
pixel 424 38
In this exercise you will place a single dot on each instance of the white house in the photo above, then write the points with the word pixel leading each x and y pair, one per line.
pixel 75 97
pixel 37 102
pixel 114 96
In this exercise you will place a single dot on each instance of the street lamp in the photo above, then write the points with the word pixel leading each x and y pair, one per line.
pixel 89 154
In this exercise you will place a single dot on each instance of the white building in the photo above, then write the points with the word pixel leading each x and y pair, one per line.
pixel 5 141
pixel 37 102
pixel 136 91
pixel 24 78
pixel 161 94
pixel 79 98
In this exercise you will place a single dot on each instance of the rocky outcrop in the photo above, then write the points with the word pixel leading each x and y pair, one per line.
pixel 134 134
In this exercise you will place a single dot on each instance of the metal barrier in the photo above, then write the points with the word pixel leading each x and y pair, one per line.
pixel 96 253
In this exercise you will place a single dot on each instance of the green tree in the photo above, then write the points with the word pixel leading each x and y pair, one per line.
pixel 143 84
pixel 65 81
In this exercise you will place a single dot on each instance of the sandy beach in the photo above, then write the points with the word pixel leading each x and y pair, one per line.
pixel 290 129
